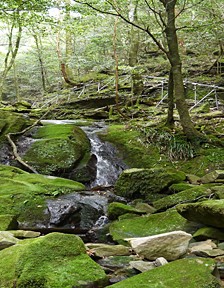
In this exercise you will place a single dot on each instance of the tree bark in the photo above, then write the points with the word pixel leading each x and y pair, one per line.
pixel 12 52
pixel 170 119
pixel 68 41
pixel 176 66
pixel 116 69
pixel 137 83
pixel 41 62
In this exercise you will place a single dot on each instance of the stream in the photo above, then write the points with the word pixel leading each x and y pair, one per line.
pixel 109 166
pixel 84 213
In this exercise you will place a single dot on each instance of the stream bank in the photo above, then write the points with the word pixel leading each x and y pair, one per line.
pixel 104 215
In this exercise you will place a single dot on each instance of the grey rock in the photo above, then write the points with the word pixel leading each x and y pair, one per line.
pixel 7 239
pixel 215 176
pixel 171 245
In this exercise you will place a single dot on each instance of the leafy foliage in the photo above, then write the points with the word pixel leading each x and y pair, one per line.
pixel 175 146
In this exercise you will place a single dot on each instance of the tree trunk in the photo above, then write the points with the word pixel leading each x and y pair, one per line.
pixel 170 119
pixel 116 69
pixel 41 62
pixel 16 82
pixel 12 52
pixel 68 41
pixel 137 83
pixel 175 61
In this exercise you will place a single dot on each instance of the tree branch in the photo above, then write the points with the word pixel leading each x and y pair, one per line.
pixel 161 47
pixel 18 158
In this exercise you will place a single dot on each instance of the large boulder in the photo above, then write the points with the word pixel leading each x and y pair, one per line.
pixel 184 196
pixel 171 245
pixel 148 225
pixel 146 183
pixel 188 273
pixel 62 150
pixel 23 196
pixel 209 212
pixel 55 260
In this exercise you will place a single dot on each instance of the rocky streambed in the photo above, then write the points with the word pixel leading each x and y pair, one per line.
pixel 151 227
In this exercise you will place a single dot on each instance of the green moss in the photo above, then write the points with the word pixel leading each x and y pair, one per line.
pixel 91 76
pixel 146 183
pixel 11 123
pixel 208 159
pixel 50 184
pixel 7 222
pixel 58 148
pixel 209 212
pixel 56 260
pixel 147 225
pixel 219 191
pixel 33 211
pixel 188 195
pixel 130 143
pixel 188 273
pixel 117 209
pixel 137 151
pixel 34 184
pixel 205 233
pixel 24 195
pixel 178 187
pixel 48 156
pixel 14 186
pixel 10 171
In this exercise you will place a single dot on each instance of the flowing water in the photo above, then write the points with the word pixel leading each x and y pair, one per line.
pixel 109 166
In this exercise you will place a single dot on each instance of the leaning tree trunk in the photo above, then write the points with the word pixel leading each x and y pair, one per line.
pixel 175 61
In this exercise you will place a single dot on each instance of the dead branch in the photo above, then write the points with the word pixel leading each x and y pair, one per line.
pixel 18 158
pixel 13 145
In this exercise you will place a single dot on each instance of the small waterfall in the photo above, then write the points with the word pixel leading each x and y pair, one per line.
pixel 109 166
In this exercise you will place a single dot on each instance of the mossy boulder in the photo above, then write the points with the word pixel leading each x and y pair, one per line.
pixel 190 273
pixel 60 150
pixel 23 196
pixel 130 144
pixel 215 176
pixel 11 123
pixel 189 195
pixel 209 212
pixel 148 225
pixel 117 209
pixel 146 183
pixel 55 260
pixel 218 191
pixel 205 233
